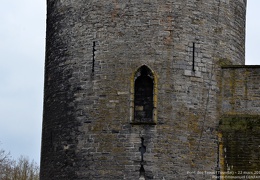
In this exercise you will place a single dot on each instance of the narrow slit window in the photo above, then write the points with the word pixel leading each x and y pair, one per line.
pixel 193 56
pixel 144 97
pixel 93 57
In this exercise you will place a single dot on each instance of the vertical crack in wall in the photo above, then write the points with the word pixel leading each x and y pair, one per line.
pixel 142 150
pixel 211 74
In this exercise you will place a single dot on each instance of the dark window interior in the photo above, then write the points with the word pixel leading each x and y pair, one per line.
pixel 144 97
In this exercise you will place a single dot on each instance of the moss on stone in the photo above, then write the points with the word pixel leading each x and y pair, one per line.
pixel 224 62
pixel 240 141
pixel 239 122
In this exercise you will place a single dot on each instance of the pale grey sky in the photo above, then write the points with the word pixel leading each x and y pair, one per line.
pixel 252 32
pixel 22 46
pixel 22 38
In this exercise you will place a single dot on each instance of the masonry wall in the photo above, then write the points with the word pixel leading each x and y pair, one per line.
pixel 239 124
pixel 240 90
pixel 93 50
pixel 239 146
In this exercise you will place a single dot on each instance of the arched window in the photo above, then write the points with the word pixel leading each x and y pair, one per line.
pixel 144 96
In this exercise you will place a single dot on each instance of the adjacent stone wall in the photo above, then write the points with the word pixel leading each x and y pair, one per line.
pixel 240 90
pixel 240 121
pixel 240 146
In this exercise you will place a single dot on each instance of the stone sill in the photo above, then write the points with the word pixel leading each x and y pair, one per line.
pixel 143 123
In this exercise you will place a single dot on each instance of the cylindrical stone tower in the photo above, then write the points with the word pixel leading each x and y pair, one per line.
pixel 131 87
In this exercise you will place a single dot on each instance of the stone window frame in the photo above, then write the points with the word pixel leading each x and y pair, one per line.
pixel 135 75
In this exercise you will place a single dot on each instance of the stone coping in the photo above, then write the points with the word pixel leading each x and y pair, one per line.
pixel 239 66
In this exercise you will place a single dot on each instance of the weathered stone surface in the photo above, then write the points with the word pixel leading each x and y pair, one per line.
pixel 240 90
pixel 240 121
pixel 240 141
pixel 93 51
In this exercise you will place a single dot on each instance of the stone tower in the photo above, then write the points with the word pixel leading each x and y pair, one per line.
pixel 132 87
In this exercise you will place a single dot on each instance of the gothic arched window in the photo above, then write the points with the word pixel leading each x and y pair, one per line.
pixel 144 97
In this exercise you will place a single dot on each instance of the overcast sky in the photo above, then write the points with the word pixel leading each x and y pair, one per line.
pixel 252 32
pixel 22 43
pixel 22 38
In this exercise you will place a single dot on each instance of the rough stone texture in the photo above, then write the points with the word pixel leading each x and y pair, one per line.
pixel 240 121
pixel 240 141
pixel 241 90
pixel 93 50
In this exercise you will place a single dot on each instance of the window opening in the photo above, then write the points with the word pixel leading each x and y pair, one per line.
pixel 143 101
pixel 93 57
pixel 193 56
